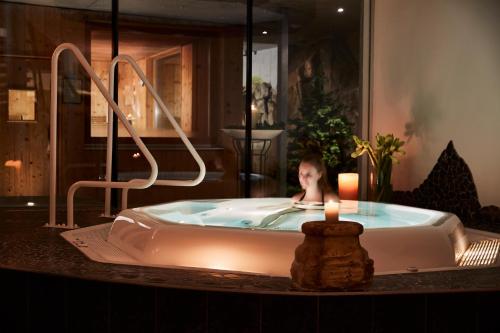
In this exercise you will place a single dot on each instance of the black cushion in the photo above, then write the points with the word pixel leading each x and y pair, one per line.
pixel 449 187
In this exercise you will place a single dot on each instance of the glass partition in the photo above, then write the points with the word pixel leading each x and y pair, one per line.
pixel 305 89
pixel 192 54
pixel 304 94
pixel 167 64
pixel 28 36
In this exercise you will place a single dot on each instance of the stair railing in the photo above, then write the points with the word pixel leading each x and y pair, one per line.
pixel 53 141
pixel 180 132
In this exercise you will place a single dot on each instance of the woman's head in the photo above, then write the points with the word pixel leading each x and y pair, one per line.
pixel 312 171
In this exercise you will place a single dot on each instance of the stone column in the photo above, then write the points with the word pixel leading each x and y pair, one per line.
pixel 331 257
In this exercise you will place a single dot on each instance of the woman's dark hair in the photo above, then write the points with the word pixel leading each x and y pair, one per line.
pixel 316 160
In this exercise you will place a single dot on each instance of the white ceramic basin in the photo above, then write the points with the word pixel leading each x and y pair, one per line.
pixel 260 134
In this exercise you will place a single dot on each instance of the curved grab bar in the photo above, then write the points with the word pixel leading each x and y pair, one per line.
pixel 53 138
pixel 180 132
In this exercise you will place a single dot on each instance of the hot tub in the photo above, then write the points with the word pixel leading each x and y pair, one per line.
pixel 260 235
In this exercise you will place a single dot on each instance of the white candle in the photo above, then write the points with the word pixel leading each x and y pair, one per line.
pixel 348 186
pixel 332 211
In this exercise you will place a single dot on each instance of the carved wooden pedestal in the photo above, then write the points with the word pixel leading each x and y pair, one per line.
pixel 331 258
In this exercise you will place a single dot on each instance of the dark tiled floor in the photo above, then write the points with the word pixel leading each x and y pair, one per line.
pixel 88 306
pixel 43 303
pixel 14 301
pixel 181 311
pixel 340 311
pixel 233 312
pixel 399 313
pixel 451 313
pixel 289 314
pixel 486 308
pixel 132 309
pixel 47 304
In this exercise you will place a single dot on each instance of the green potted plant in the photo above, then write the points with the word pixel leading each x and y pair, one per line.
pixel 321 127
pixel 382 157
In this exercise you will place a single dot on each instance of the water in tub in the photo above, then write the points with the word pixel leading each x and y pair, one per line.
pixel 280 214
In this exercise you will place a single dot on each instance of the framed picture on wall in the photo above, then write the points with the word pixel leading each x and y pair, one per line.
pixel 22 105
pixel 72 91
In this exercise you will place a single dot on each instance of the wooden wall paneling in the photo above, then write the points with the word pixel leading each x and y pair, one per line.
pixel 149 98
pixel 188 76
pixel 19 139
pixel 167 79
pixel 171 92
pixel 34 31
pixel 15 23
pixel 4 148
pixel 26 141
pixel 75 162
pixel 203 73
pixel 232 93
pixel 36 151
pixel 53 26
pixel 130 99
pixel 99 105
pixel 141 95
pixel 233 76
pixel 216 93
pixel 35 34
pixel 51 36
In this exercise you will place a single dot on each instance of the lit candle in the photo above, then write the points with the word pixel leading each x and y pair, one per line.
pixel 255 115
pixel 332 211
pixel 348 186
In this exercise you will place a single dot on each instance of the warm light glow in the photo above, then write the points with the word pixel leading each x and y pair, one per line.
pixel 264 32
pixel 482 253
pixel 332 211
pixel 225 254
pixel 30 204
pixel 16 164
pixel 136 155
pixel 220 257
pixel 143 225
pixel 348 186
pixel 227 243
pixel 340 10
pixel 124 218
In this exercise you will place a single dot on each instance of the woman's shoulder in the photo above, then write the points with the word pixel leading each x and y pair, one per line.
pixel 297 196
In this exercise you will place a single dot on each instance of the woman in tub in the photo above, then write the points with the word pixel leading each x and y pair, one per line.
pixel 314 182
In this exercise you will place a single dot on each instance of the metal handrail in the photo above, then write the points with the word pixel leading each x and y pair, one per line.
pixel 53 140
pixel 180 132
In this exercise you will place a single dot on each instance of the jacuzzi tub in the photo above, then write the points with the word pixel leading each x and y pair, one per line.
pixel 251 235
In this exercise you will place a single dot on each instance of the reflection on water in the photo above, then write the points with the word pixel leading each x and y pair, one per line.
pixel 280 214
